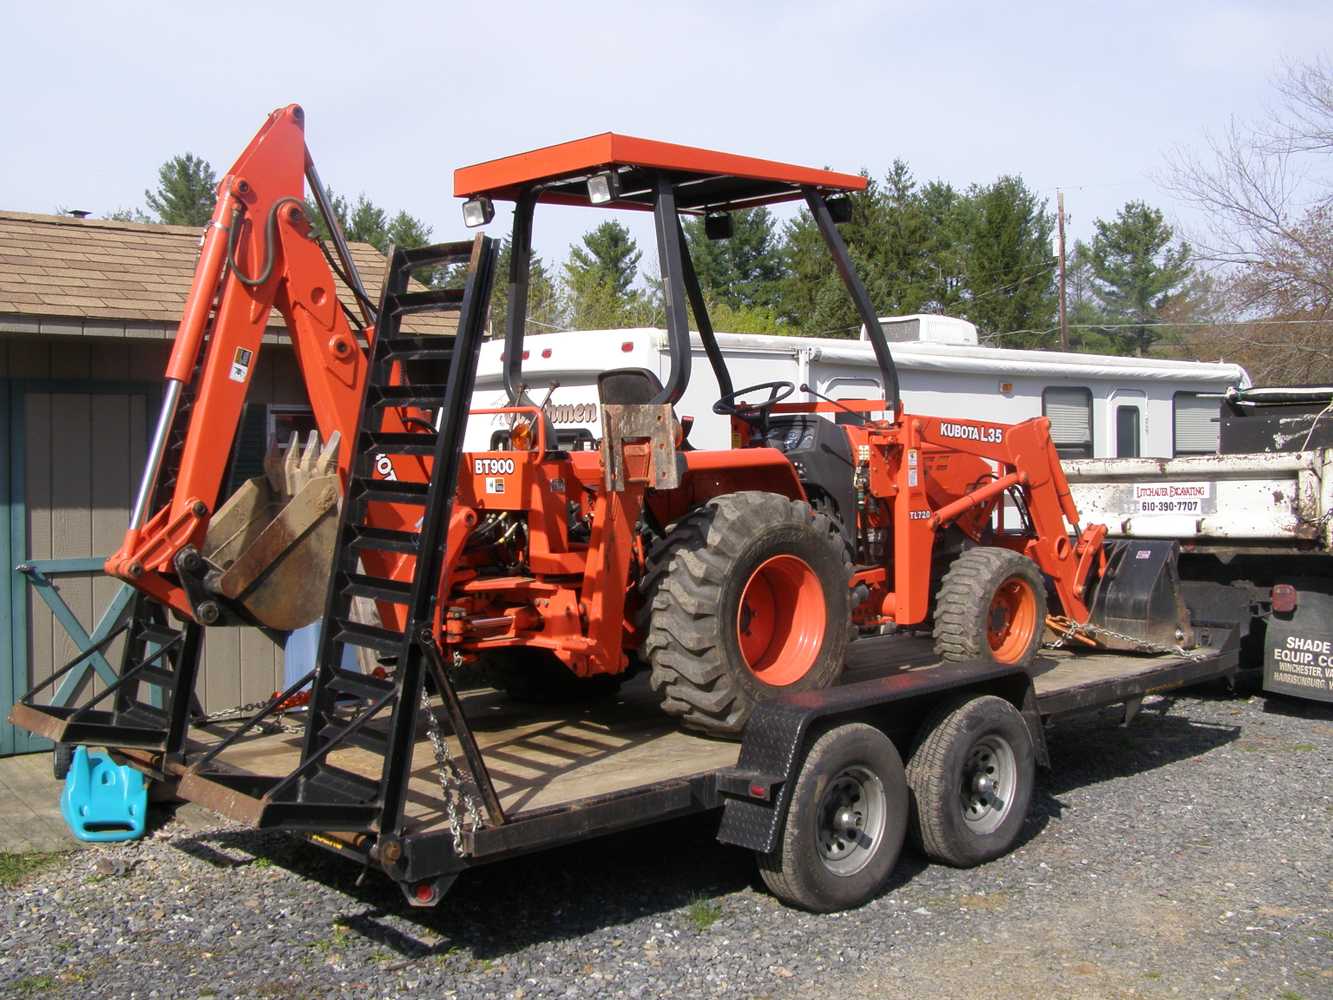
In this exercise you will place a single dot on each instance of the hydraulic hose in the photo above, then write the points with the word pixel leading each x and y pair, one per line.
pixel 270 242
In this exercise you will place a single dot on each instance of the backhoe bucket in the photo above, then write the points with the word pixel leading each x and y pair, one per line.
pixel 271 544
pixel 1139 597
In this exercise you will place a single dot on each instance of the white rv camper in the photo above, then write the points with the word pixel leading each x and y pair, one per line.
pixel 1099 406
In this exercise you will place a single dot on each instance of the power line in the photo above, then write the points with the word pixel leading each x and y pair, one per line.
pixel 1163 323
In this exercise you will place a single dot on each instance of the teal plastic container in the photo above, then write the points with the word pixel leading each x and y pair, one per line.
pixel 103 801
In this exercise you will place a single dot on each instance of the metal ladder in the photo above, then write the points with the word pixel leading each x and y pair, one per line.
pixel 318 795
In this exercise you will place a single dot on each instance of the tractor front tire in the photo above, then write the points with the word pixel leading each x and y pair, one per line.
pixel 991 606
pixel 747 597
pixel 530 674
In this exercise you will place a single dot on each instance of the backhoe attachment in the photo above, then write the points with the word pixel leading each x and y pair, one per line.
pixel 270 546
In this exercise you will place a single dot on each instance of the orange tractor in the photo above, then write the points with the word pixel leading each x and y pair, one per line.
pixel 732 575
pixel 735 574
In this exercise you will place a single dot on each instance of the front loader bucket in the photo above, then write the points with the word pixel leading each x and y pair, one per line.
pixel 271 544
pixel 1139 599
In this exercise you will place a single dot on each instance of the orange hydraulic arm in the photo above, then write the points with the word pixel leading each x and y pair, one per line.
pixel 257 254
pixel 928 473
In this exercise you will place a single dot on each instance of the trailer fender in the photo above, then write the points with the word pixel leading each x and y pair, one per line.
pixel 756 791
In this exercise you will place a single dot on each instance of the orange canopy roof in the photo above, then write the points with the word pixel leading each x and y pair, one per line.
pixel 705 179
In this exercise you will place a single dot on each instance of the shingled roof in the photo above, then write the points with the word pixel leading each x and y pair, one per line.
pixel 99 277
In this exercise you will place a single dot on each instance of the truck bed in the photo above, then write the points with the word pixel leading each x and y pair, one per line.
pixel 545 757
pixel 1277 500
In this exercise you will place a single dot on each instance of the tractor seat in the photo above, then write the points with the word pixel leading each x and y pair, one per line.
pixel 636 386
pixel 621 386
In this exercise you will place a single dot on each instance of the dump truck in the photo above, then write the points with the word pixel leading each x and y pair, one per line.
pixel 1254 522
pixel 831 631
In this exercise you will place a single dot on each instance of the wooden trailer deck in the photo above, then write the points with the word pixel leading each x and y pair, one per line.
pixel 548 756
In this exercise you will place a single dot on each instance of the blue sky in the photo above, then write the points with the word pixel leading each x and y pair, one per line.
pixel 1088 97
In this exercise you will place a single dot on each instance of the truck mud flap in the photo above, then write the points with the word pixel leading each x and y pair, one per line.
pixel 1298 647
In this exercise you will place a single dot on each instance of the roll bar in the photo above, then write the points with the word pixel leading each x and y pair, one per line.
pixel 680 289
pixel 860 297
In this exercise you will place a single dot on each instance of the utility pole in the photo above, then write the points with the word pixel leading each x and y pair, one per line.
pixel 1064 322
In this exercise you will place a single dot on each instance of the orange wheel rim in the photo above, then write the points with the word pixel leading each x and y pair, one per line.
pixel 1011 620
pixel 781 620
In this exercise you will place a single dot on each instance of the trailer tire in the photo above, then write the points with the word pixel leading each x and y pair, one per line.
pixel 971 774
pixel 62 756
pixel 531 674
pixel 845 824
pixel 991 606
pixel 746 598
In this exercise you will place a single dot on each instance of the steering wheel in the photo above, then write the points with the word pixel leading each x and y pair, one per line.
pixel 777 391
pixel 728 406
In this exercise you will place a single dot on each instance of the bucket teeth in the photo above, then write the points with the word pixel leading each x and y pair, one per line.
pixel 327 462
pixel 289 469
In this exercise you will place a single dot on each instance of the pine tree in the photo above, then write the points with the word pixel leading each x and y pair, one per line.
pixel 1137 272
pixel 1008 264
pixel 892 254
pixel 608 256
pixel 545 306
pixel 942 207
pixel 744 270
pixel 814 300
pixel 186 191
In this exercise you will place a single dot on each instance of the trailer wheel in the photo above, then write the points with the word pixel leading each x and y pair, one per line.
pixel 991 606
pixel 531 674
pixel 971 774
pixel 845 824
pixel 746 597
pixel 62 756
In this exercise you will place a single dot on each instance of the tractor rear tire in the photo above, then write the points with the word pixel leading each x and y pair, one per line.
pixel 991 606
pixel 531 674
pixel 747 598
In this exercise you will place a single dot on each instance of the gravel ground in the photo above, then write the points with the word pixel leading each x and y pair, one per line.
pixel 1186 856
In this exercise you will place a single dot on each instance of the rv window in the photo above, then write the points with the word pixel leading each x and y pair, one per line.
pixel 1070 412
pixel 853 387
pixel 1126 432
pixel 1196 425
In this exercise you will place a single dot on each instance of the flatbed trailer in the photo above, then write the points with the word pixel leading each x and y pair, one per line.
pixel 567 773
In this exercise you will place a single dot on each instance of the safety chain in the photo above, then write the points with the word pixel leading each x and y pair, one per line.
pixel 448 771
pixel 1068 629
pixel 238 713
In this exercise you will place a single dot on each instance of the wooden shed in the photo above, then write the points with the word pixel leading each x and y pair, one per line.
pixel 88 308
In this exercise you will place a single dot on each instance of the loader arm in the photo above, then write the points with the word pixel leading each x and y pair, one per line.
pixel 1029 463
pixel 258 253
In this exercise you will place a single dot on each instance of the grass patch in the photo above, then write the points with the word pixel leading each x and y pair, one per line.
pixel 703 913
pixel 14 868
pixel 32 985
pixel 336 941
pixel 261 863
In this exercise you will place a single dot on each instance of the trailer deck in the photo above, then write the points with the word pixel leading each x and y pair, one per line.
pixel 545 759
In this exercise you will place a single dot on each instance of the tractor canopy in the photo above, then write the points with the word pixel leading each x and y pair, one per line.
pixel 619 171
pixel 705 181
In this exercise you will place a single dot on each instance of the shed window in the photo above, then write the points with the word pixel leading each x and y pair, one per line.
pixel 1069 410
pixel 1197 424
pixel 263 425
